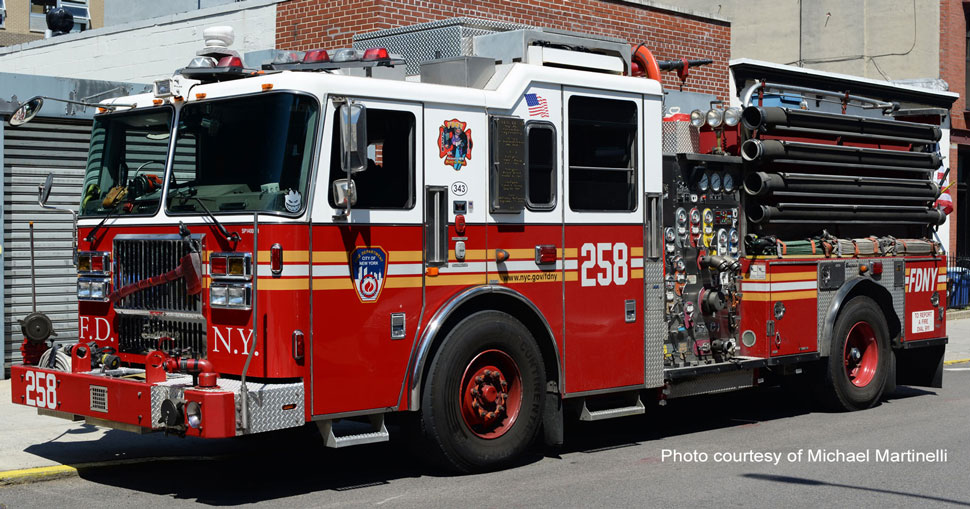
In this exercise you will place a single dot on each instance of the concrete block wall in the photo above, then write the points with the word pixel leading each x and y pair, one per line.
pixel 669 32
pixel 143 51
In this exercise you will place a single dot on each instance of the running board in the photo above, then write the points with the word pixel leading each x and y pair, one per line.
pixel 379 433
pixel 598 415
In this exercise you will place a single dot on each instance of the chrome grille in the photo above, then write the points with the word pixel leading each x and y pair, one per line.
pixel 138 258
pixel 141 334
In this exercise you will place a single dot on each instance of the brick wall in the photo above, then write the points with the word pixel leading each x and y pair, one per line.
pixel 953 30
pixel 307 24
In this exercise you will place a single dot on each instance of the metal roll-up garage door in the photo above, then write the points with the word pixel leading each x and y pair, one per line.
pixel 30 152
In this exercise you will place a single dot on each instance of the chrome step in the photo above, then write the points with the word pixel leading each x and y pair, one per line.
pixel 610 413
pixel 331 439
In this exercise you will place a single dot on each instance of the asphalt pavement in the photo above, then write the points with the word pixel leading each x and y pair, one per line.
pixel 36 447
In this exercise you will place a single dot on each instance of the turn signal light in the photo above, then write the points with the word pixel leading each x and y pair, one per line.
pixel 299 345
pixel 232 265
pixel 276 259
pixel 876 268
pixel 545 254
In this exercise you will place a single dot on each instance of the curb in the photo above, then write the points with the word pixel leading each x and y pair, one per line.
pixel 29 475
pixel 955 361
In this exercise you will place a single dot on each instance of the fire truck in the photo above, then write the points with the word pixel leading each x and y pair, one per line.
pixel 511 238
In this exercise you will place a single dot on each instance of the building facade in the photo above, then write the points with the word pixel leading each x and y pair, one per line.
pixel 25 20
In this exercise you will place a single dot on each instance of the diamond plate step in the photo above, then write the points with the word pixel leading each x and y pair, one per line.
pixel 331 439
pixel 611 413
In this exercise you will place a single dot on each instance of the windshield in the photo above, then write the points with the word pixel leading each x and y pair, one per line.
pixel 126 163
pixel 244 154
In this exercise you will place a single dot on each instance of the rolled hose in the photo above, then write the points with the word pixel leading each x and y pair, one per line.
pixel 762 184
pixel 61 361
pixel 770 118
pixel 759 151
pixel 762 214
pixel 645 59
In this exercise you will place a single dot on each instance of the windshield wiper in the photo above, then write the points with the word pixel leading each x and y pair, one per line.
pixel 233 237
pixel 107 216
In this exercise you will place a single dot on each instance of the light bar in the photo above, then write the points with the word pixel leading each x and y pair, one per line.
pixel 202 63
pixel 230 61
pixel 376 54
pixel 345 55
pixel 316 56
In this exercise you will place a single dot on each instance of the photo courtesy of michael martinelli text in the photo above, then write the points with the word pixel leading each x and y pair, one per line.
pixel 806 456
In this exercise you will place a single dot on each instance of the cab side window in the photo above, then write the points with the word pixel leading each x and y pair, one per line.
pixel 388 182
pixel 541 177
pixel 602 154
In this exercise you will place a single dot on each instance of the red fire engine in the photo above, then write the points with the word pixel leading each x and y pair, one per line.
pixel 513 238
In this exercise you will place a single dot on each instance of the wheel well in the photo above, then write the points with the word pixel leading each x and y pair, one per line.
pixel 885 301
pixel 514 307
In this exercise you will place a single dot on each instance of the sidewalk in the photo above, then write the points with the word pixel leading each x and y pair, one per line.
pixel 30 441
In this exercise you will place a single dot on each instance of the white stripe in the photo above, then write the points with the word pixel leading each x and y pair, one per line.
pixel 265 269
pixel 636 263
pixel 471 267
pixel 331 271
pixel 941 278
pixel 755 287
pixel 572 264
pixel 405 269
pixel 794 285
pixel 779 287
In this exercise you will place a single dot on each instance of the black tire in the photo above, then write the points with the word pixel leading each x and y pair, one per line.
pixel 452 441
pixel 845 384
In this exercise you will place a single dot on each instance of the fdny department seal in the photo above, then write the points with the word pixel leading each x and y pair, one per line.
pixel 368 266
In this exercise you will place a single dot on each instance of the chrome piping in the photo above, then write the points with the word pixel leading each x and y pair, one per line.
pixel 439 318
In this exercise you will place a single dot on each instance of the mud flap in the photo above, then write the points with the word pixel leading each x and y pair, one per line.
pixel 922 367
pixel 552 423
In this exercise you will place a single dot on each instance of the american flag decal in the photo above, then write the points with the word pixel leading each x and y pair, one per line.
pixel 537 106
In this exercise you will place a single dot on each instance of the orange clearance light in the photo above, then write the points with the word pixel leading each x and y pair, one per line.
pixel 156 102
pixel 200 95
pixel 267 86
pixel 178 98
pixel 102 110
pixel 863 269
pixel 431 271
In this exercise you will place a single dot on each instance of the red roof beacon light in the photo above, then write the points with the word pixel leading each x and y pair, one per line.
pixel 230 61
pixel 376 54
pixel 316 56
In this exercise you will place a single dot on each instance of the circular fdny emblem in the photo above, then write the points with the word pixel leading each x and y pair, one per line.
pixel 369 286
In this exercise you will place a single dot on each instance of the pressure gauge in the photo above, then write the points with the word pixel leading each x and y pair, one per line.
pixel 715 181
pixel 689 308
pixel 679 264
pixel 670 235
pixel 722 241
pixel 681 215
pixel 695 216
pixel 708 216
pixel 704 183
pixel 734 237
pixel 728 183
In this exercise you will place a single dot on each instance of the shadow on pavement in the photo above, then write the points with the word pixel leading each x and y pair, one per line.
pixel 277 465
pixel 812 482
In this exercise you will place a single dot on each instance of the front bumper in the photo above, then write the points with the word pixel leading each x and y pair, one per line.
pixel 134 403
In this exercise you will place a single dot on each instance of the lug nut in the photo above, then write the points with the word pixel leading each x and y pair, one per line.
pixel 475 391
pixel 488 373
pixel 479 379
pixel 474 404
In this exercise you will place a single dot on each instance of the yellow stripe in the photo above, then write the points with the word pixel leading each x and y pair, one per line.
pixel 571 252
pixel 330 257
pixel 288 256
pixel 636 252
pixel 941 286
pixel 636 274
pixel 793 276
pixel 402 282
pixel 471 255
pixel 776 296
pixel 405 256
pixel 283 284
pixel 455 279
pixel 572 276
pixel 332 284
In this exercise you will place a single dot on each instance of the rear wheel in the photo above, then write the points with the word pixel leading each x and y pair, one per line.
pixel 482 402
pixel 859 360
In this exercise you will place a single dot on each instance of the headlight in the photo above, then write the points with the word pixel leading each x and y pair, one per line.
pixel 217 295
pixel 732 116
pixel 715 117
pixel 84 289
pixel 237 296
pixel 97 290
pixel 193 414
pixel 697 118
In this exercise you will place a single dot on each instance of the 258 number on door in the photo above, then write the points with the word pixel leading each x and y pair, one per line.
pixel 598 270
pixel 41 390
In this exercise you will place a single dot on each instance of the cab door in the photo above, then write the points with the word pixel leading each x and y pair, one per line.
pixel 604 346
pixel 367 269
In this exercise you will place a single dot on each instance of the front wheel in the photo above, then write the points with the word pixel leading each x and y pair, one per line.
pixel 482 402
pixel 859 360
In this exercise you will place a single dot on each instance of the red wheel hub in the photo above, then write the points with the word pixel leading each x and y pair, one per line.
pixel 491 394
pixel 861 354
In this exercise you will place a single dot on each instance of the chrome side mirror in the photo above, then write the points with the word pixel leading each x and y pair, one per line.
pixel 45 190
pixel 344 192
pixel 353 137
pixel 26 111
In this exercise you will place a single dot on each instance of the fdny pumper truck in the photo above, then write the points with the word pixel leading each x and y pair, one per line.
pixel 509 239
